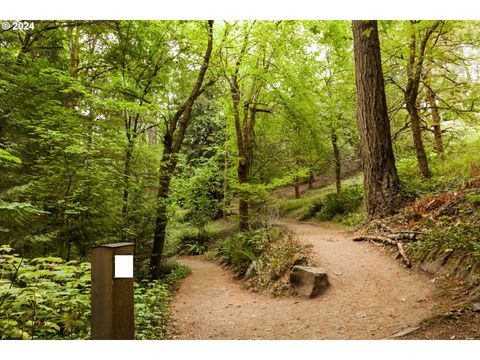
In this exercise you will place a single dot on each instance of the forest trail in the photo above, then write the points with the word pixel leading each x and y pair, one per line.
pixel 371 296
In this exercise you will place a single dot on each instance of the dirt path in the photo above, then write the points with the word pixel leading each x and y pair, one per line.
pixel 371 297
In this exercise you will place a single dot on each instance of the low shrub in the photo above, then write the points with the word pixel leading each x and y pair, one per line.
pixel 48 298
pixel 465 236
pixel 332 204
pixel 264 258
pixel 152 302
pixel 43 298
pixel 152 313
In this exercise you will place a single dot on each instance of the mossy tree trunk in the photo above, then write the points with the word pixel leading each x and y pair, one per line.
pixel 381 181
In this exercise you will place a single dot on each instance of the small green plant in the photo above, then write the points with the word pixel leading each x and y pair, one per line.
pixel 152 314
pixel 43 298
pixel 264 258
pixel 473 199
pixel 332 204
pixel 49 298
pixel 464 236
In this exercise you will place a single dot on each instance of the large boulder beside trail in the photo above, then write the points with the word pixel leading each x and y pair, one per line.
pixel 308 281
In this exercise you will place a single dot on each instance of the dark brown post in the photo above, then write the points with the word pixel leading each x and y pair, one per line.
pixel 112 292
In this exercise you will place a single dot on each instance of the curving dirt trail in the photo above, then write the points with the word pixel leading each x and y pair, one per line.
pixel 371 296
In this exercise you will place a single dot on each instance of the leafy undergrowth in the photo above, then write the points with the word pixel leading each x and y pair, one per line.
pixel 447 220
pixel 187 240
pixel 43 298
pixel 323 204
pixel 153 316
pixel 263 258
pixel 444 232
pixel 335 207
pixel 48 298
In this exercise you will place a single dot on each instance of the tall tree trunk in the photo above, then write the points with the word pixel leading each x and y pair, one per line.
pixel 414 72
pixel 225 182
pixel 161 220
pixel 297 187
pixel 381 181
pixel 417 138
pixel 172 143
pixel 338 166
pixel 244 161
pixel 436 119
pixel 152 135
pixel 243 178
pixel 126 183
pixel 311 179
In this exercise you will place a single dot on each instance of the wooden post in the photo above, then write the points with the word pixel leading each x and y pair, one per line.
pixel 112 292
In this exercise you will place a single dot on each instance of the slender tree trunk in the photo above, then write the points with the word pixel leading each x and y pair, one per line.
pixel 311 179
pixel 436 119
pixel 381 181
pixel 225 183
pixel 243 146
pixel 126 182
pixel 417 138
pixel 414 72
pixel 338 166
pixel 243 178
pixel 297 187
pixel 161 221
pixel 172 143
pixel 152 136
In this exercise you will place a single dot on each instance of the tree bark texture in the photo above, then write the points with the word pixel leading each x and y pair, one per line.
pixel 172 143
pixel 436 120
pixel 381 181
pixel 338 166
pixel 225 183
pixel 414 73
pixel 311 180
pixel 297 187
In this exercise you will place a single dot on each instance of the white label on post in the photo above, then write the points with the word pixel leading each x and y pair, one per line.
pixel 123 266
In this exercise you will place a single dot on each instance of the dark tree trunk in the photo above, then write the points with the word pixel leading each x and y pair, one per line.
pixel 162 218
pixel 225 183
pixel 311 179
pixel 414 72
pixel 297 187
pixel 242 128
pixel 245 108
pixel 126 184
pixel 436 119
pixel 381 181
pixel 172 143
pixel 131 134
pixel 338 166
pixel 243 177
pixel 417 138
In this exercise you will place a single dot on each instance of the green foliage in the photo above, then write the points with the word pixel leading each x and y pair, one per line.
pixel 7 159
pixel 242 249
pixel 264 258
pixel 201 193
pixel 43 298
pixel 152 313
pixel 172 273
pixel 332 204
pixel 473 199
pixel 452 236
pixel 48 298
pixel 152 302
pixel 450 173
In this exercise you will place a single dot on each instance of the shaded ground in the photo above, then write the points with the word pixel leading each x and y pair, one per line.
pixel 463 325
pixel 371 297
